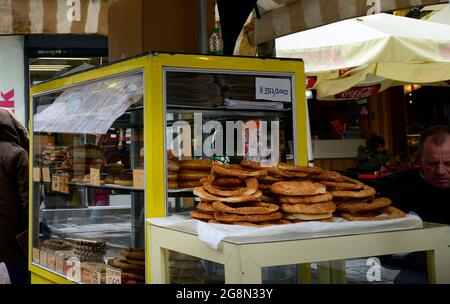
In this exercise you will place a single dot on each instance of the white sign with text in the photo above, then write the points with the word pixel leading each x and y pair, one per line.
pixel 275 89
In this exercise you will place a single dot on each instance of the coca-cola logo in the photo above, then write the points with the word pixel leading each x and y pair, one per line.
pixel 358 92
pixel 345 70
pixel 310 81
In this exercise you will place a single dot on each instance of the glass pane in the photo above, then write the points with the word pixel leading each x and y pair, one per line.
pixel 88 212
pixel 221 117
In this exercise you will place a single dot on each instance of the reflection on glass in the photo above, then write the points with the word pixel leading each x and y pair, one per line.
pixel 88 213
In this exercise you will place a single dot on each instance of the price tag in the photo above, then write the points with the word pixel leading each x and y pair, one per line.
pixel 95 176
pixel 50 261
pixel 276 89
pixel 73 271
pixel 36 255
pixel 113 275
pixel 94 277
pixel 63 184
pixel 46 175
pixel 59 265
pixel 55 183
pixel 43 257
pixel 138 178
pixel 36 174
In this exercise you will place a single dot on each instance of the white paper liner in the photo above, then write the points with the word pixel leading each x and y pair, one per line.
pixel 213 234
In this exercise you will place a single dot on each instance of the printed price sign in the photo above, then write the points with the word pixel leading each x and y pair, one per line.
pixel 50 261
pixel 74 269
pixel 46 175
pixel 95 176
pixel 36 174
pixel 43 258
pixel 96 277
pixel 36 255
pixel 55 183
pixel 59 265
pixel 113 275
pixel 63 184
pixel 138 178
pixel 275 89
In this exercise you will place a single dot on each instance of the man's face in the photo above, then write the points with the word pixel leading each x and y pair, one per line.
pixel 436 163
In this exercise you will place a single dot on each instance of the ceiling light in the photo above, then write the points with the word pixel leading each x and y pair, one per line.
pixel 48 67
pixel 64 58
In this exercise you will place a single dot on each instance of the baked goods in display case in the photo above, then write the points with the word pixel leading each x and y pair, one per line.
pixel 185 269
pixel 253 195
pixel 131 263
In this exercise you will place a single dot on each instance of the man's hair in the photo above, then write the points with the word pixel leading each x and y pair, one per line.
pixel 437 135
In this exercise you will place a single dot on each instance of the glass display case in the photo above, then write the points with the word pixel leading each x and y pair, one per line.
pixel 115 145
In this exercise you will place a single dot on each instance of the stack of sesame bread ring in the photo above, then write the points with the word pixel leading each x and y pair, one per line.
pixel 254 195
pixel 192 171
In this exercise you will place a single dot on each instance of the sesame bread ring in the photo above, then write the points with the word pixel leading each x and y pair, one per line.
pixel 205 206
pixel 228 217
pixel 222 170
pixel 192 175
pixel 264 187
pixel 376 203
pixel 366 191
pixel 201 192
pixel 173 166
pixel 393 213
pixel 122 263
pixel 188 184
pixel 296 174
pixel 135 254
pixel 342 200
pixel 201 215
pixel 342 186
pixel 246 208
pixel 136 262
pixel 172 185
pixel 307 216
pixel 328 176
pixel 268 179
pixel 298 188
pixel 306 169
pixel 330 219
pixel 272 171
pixel 328 207
pixel 310 199
pixel 196 164
pixel 251 187
pixel 268 198
pixel 262 224
pixel 214 221
pixel 227 182
pixel 172 176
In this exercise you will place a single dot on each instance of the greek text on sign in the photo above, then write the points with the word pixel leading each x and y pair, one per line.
pixel 275 89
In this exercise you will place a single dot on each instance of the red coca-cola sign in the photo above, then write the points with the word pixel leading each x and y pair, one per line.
pixel 310 81
pixel 358 92
pixel 345 70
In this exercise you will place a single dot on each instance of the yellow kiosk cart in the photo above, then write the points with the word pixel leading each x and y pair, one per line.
pixel 104 140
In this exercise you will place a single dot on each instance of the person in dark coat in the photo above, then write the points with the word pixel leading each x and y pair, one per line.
pixel 13 195
pixel 429 197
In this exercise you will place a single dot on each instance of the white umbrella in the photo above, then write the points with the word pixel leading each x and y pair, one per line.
pixel 381 49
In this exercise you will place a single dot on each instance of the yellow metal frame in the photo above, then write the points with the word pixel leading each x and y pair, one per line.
pixel 152 66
